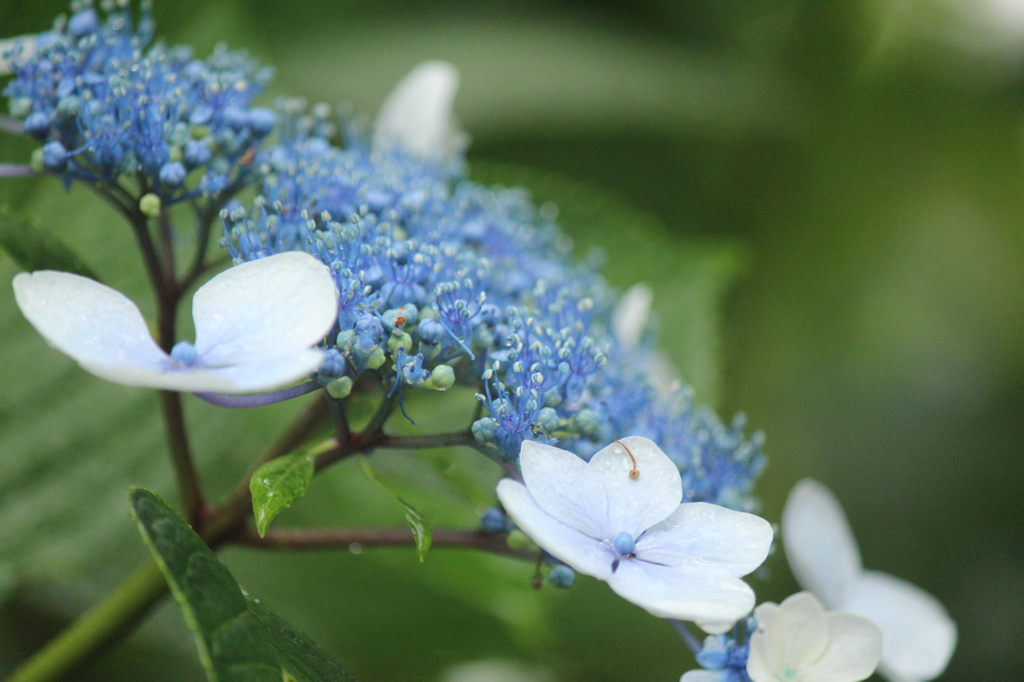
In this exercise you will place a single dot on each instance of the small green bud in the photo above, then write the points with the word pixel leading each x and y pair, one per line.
pixel 519 541
pixel 21 107
pixel 150 205
pixel 339 388
pixel 403 341
pixel 37 161
pixel 176 153
pixel 375 359
pixel 199 132
pixel 441 378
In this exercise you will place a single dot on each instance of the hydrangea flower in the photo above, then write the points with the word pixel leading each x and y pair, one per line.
pixel 918 635
pixel 619 518
pixel 255 325
pixel 797 641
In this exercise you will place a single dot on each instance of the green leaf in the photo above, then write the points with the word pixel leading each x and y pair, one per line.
pixel 278 483
pixel 239 639
pixel 420 529
pixel 34 249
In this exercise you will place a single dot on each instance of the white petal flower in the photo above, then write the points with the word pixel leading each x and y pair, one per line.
pixel 797 641
pixel 255 325
pixel 918 635
pixel 675 560
pixel 417 115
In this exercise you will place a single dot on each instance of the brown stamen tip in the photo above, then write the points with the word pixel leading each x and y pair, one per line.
pixel 634 472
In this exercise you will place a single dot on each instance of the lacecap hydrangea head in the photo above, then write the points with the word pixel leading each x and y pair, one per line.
pixel 105 101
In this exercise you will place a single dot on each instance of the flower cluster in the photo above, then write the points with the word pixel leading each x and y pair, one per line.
pixel 106 102
pixel 445 281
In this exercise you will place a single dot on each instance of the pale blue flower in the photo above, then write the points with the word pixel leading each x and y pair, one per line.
pixel 618 518
pixel 255 325
pixel 918 635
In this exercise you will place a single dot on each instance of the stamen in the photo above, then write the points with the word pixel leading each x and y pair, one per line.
pixel 634 472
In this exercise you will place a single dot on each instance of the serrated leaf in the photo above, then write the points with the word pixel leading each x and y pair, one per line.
pixel 34 249
pixel 239 639
pixel 417 524
pixel 277 484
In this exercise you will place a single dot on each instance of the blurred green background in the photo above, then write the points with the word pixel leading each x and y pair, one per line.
pixel 832 211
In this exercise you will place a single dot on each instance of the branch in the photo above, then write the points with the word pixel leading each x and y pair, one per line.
pixel 343 538
pixel 437 440
pixel 11 125
pixel 16 170
pixel 181 458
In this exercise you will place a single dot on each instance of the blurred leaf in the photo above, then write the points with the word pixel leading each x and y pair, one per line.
pixel 277 484
pixel 34 249
pixel 419 526
pixel 690 277
pixel 238 638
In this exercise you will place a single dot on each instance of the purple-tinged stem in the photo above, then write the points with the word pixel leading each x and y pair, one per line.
pixel 16 170
pixel 11 125
pixel 260 400
pixel 686 635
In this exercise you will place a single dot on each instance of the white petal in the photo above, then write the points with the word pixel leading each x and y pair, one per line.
pixel 566 487
pixel 585 554
pixel 792 635
pixel 762 665
pixel 629 319
pixel 97 326
pixel 265 309
pixel 854 647
pixel 711 597
pixel 701 676
pixel 918 636
pixel 417 115
pixel 697 531
pixel 267 374
pixel 820 547
pixel 636 504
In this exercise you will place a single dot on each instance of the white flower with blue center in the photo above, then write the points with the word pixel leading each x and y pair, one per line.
pixel 618 518
pixel 798 641
pixel 255 325
pixel 918 635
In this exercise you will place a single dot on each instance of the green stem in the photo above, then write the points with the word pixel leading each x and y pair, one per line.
pixel 97 628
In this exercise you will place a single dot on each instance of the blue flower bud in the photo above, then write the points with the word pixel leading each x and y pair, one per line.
pixel 37 125
pixel 185 353
pixel 55 157
pixel 236 118
pixel 333 365
pixel 547 419
pixel 715 654
pixel 84 22
pixel 485 430
pixel 624 543
pixel 561 576
pixel 173 174
pixel 202 115
pixel 196 154
pixel 262 121
pixel 493 521
pixel 430 331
